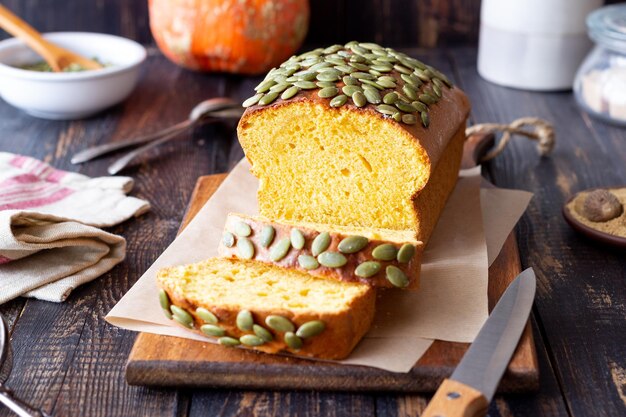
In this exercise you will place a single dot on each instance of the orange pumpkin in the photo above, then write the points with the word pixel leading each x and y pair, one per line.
pixel 237 36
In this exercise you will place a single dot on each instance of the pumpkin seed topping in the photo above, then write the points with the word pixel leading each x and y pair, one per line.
pixel 228 239
pixel 376 72
pixel 245 248
pixel 267 236
pixel 406 252
pixel 212 330
pixel 244 320
pixel 308 262
pixel 385 252
pixel 167 313
pixel 367 269
pixel 396 276
pixel 320 243
pixel 206 315
pixel 280 249
pixel 311 329
pixel 297 239
pixel 279 323
pixel 182 316
pixel 293 341
pixel 251 340
pixel 228 341
pixel 164 300
pixel 262 332
pixel 352 244
pixel 332 259
pixel 242 229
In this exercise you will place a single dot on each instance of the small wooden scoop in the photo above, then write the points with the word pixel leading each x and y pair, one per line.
pixel 58 58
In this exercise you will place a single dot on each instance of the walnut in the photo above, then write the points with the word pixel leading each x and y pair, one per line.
pixel 601 206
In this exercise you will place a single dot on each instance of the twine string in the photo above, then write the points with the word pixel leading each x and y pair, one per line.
pixel 533 128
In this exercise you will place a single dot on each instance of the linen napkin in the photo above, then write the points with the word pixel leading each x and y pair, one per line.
pixel 50 242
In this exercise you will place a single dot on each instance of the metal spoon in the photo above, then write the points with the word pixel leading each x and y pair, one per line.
pixel 7 398
pixel 213 109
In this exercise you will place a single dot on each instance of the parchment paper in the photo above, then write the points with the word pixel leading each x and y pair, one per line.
pixel 450 305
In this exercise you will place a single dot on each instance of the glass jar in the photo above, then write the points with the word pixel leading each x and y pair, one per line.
pixel 600 85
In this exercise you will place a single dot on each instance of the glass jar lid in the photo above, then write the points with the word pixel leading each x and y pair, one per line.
pixel 607 26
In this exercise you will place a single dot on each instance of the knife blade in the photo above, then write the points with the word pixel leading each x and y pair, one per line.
pixel 471 386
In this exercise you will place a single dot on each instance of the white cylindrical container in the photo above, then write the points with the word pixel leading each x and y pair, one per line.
pixel 533 44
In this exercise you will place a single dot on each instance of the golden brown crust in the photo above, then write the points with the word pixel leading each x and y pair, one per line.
pixel 345 273
pixel 342 333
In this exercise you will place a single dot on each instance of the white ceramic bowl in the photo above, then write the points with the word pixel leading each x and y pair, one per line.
pixel 70 95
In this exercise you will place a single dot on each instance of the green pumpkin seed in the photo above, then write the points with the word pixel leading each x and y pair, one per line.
pixel 332 49
pixel 421 74
pixel 409 119
pixel 371 46
pixel 320 243
pixel 242 229
pixel 212 330
pixel 419 106
pixel 351 89
pixel 292 79
pixel 387 81
pixel 359 66
pixel 263 333
pixel 397 116
pixel 385 252
pixel 332 259
pixel 405 107
pixel 390 98
pixel 245 248
pixel 280 87
pixel 336 61
pixel 167 313
pixel 437 82
pixel 427 99
pixel 324 84
pixel 372 96
pixel 344 69
pixel 320 66
pixel 228 341
pixel 244 320
pixel 311 329
pixel 382 68
pixel 206 315
pixel 352 244
pixel 280 249
pixel 264 86
pixel 268 98
pixel 425 118
pixel 267 236
pixel 308 262
pixel 327 76
pixel 386 109
pixel 339 101
pixel 406 253
pixel 328 92
pixel 251 340
pixel 359 99
pixel 228 239
pixel 289 93
pixel 297 239
pixel 164 300
pixel 362 76
pixel 279 323
pixel 358 50
pixel 252 100
pixel 305 85
pixel 307 75
pixel 396 276
pixel 182 316
pixel 367 269
pixel 293 341
pixel 348 80
pixel 373 84
pixel 436 90
pixel 358 58
pixel 409 91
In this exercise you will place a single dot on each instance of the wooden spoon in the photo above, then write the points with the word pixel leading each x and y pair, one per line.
pixel 58 58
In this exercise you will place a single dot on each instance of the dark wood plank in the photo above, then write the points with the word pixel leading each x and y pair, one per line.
pixel 580 295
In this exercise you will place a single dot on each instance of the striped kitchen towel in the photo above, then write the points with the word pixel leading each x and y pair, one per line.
pixel 50 241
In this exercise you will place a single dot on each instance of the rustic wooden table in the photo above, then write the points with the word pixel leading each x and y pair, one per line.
pixel 70 362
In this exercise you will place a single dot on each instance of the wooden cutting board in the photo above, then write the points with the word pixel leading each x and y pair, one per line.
pixel 170 361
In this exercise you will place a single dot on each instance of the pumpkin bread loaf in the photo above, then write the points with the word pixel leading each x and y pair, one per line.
pixel 356 135
pixel 266 307
pixel 377 257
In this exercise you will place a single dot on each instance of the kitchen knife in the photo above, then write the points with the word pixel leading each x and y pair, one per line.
pixel 470 388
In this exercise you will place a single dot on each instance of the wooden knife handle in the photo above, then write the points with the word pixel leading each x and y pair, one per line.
pixel 454 399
